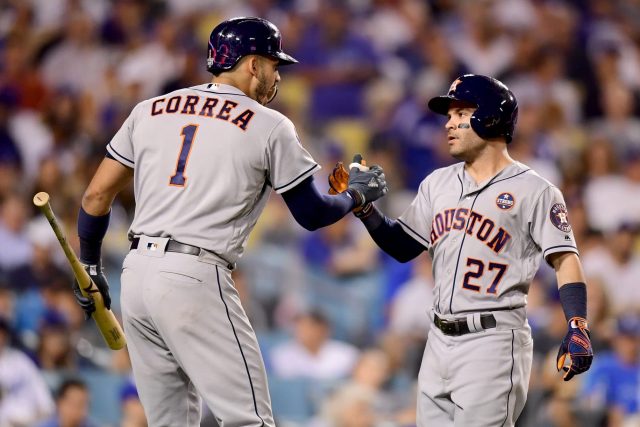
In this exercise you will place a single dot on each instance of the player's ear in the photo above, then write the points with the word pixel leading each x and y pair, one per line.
pixel 253 62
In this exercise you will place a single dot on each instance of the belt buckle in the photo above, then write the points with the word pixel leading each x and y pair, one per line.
pixel 456 327
pixel 448 327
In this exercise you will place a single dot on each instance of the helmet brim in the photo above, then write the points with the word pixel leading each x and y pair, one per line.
pixel 285 59
pixel 440 104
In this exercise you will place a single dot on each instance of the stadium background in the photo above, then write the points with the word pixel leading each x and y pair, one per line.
pixel 341 325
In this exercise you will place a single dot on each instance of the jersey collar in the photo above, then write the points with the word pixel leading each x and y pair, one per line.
pixel 220 88
pixel 469 186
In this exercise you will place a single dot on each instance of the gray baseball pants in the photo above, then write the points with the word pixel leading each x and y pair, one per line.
pixel 477 379
pixel 188 336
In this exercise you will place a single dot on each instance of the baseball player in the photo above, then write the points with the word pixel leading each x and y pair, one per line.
pixel 204 161
pixel 486 222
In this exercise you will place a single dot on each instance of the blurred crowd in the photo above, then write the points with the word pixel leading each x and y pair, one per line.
pixel 342 326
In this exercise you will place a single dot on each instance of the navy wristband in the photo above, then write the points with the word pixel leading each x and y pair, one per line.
pixel 91 231
pixel 573 297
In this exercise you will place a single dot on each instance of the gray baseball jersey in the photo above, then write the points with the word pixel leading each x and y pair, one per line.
pixel 486 239
pixel 206 159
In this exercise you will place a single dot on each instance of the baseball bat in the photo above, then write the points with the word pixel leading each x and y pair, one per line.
pixel 107 323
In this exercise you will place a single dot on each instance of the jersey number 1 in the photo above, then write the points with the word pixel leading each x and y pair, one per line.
pixel 188 135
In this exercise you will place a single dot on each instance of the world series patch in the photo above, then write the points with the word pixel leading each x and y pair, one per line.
pixel 560 217
pixel 505 201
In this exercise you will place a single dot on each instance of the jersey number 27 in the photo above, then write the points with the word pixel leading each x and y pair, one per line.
pixel 479 266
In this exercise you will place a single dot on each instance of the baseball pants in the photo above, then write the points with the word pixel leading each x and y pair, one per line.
pixel 479 379
pixel 188 336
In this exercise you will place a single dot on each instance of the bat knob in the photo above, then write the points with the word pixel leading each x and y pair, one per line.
pixel 41 199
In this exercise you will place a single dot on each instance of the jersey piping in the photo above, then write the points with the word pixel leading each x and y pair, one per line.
pixel 246 366
pixel 119 157
pixel 221 93
pixel 455 274
pixel 415 234
pixel 506 416
pixel 294 180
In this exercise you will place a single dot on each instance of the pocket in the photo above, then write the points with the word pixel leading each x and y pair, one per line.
pixel 524 337
pixel 180 277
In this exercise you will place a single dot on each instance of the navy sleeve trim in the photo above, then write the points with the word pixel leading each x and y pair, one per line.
pixel 297 177
pixel 119 157
pixel 546 251
pixel 414 233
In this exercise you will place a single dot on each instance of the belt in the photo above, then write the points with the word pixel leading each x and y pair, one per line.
pixel 173 246
pixel 459 327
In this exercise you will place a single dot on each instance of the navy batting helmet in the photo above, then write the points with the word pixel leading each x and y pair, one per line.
pixel 238 37
pixel 497 108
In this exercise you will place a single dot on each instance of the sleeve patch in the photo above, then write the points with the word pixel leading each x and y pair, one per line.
pixel 560 217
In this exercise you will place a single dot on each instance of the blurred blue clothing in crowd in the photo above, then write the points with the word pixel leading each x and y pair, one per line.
pixel 339 63
pixel 613 383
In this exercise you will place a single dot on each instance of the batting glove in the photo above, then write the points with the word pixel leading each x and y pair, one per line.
pixel 338 179
pixel 87 304
pixel 366 184
pixel 577 345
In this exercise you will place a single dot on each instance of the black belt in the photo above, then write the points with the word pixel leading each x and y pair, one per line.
pixel 183 248
pixel 460 327
pixel 172 246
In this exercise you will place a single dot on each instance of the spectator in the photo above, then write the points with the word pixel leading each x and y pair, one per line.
pixel 340 250
pixel 24 396
pixel 132 410
pixel 312 353
pixel 79 45
pixel 370 379
pixel 613 384
pixel 618 266
pixel 337 63
pixel 16 250
pixel 619 123
pixel 72 404
pixel 409 306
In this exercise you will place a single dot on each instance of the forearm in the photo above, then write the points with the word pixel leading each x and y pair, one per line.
pixel 568 268
pixel 390 237
pixel 571 284
pixel 313 210
pixel 93 217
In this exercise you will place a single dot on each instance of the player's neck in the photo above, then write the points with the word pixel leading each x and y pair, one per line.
pixel 227 79
pixel 488 163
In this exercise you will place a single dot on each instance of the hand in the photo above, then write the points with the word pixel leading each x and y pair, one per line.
pixel 86 302
pixel 338 179
pixel 577 345
pixel 366 184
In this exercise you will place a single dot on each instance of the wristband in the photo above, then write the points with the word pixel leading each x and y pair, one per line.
pixel 91 231
pixel 573 297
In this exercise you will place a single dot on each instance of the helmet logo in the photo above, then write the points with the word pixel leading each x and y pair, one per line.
pixel 454 85
pixel 212 54
pixel 224 53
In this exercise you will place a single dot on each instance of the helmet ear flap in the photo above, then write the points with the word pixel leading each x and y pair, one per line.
pixel 488 125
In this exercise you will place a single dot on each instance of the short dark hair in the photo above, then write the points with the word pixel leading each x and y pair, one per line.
pixel 317 316
pixel 67 385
